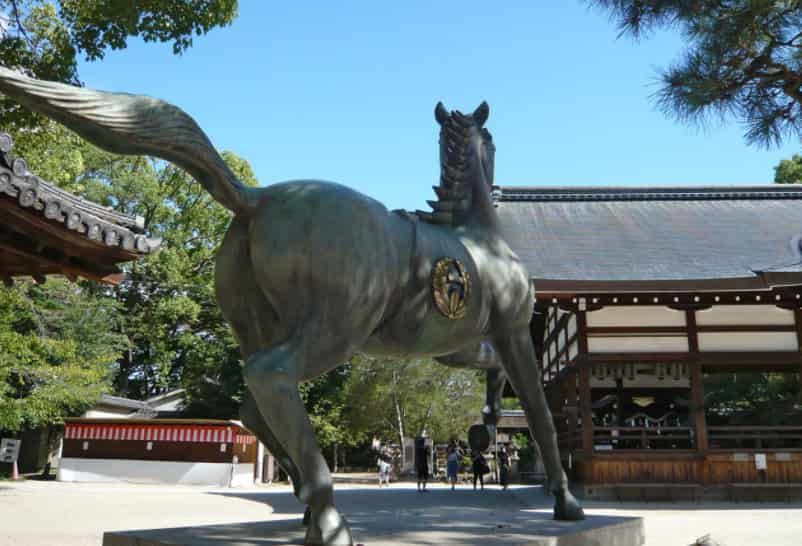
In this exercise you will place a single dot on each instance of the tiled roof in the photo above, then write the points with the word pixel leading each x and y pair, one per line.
pixel 100 224
pixel 653 234
pixel 46 230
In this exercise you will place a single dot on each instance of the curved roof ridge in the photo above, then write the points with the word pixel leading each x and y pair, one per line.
pixel 102 225
pixel 647 193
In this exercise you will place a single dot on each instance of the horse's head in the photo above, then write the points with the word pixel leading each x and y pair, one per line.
pixel 466 166
pixel 465 144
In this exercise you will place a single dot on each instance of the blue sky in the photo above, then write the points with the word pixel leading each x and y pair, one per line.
pixel 345 91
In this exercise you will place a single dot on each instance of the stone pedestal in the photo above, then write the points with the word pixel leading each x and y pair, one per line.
pixel 596 531
pixel 401 517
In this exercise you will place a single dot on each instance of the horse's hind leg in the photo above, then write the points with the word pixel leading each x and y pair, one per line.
pixel 272 376
pixel 523 372
pixel 252 419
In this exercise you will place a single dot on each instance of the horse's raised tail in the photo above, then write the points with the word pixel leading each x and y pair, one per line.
pixel 133 124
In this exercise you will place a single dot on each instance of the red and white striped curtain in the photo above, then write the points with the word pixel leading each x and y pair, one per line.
pixel 245 439
pixel 154 433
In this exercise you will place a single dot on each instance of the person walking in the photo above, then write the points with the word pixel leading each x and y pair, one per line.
pixel 422 463
pixel 384 472
pixel 452 465
pixel 503 467
pixel 479 466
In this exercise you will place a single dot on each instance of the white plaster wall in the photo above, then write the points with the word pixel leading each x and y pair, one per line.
pixel 100 414
pixel 642 382
pixel 747 341
pixel 640 344
pixel 723 315
pixel 634 315
pixel 571 326
pixel 73 469
pixel 573 350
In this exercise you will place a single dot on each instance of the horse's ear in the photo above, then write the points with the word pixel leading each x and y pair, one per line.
pixel 481 114
pixel 440 113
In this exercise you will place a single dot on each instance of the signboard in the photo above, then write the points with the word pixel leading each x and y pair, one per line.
pixel 760 461
pixel 9 450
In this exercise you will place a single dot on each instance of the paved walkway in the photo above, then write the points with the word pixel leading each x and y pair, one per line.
pixel 51 513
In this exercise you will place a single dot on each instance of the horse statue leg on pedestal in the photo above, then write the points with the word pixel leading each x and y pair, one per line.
pixel 311 272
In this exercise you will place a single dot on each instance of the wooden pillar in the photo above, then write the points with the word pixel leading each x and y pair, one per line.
pixel 798 321
pixel 585 397
pixel 585 408
pixel 570 393
pixel 697 385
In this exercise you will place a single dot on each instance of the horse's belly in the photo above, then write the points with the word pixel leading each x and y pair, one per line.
pixel 409 336
pixel 423 323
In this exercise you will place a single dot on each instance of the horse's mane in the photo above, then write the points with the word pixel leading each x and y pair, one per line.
pixel 455 191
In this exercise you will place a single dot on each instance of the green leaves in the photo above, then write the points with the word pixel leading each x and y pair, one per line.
pixel 743 59
pixel 162 328
pixel 44 38
pixel 97 25
pixel 789 171
pixel 174 333
pixel 409 396
pixel 58 342
pixel 753 398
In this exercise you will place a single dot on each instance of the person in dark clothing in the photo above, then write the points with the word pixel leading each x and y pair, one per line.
pixel 422 464
pixel 479 467
pixel 503 467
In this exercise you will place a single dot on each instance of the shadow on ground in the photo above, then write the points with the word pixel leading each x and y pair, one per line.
pixel 399 516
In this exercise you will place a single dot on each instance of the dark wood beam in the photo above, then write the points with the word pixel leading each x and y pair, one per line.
pixel 585 395
pixel 798 324
pixel 697 383
pixel 50 265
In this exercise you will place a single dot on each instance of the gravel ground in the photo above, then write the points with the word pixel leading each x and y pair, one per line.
pixel 34 513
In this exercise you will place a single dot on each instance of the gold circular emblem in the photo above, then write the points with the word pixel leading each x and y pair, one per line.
pixel 451 285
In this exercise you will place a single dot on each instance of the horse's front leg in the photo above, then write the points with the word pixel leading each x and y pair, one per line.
pixel 522 369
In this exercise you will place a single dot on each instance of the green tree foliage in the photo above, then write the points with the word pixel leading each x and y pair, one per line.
pixel 789 171
pixel 753 398
pixel 175 331
pixel 58 342
pixel 743 59
pixel 326 402
pixel 172 329
pixel 44 38
pixel 393 398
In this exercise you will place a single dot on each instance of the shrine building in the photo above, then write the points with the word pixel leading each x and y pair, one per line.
pixel 668 324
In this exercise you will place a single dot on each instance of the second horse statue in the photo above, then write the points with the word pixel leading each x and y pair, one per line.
pixel 311 272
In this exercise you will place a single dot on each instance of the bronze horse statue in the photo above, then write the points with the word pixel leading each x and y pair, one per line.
pixel 311 272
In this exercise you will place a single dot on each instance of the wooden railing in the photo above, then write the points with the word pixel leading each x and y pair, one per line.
pixel 617 438
pixel 755 437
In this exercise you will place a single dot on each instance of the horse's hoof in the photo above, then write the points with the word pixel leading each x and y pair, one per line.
pixel 328 528
pixel 566 507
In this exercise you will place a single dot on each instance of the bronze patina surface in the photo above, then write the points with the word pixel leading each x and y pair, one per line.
pixel 311 272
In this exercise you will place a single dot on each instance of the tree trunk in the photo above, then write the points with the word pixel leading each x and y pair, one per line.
pixel 399 421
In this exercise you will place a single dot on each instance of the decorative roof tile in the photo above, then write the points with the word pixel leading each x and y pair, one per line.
pixel 100 224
